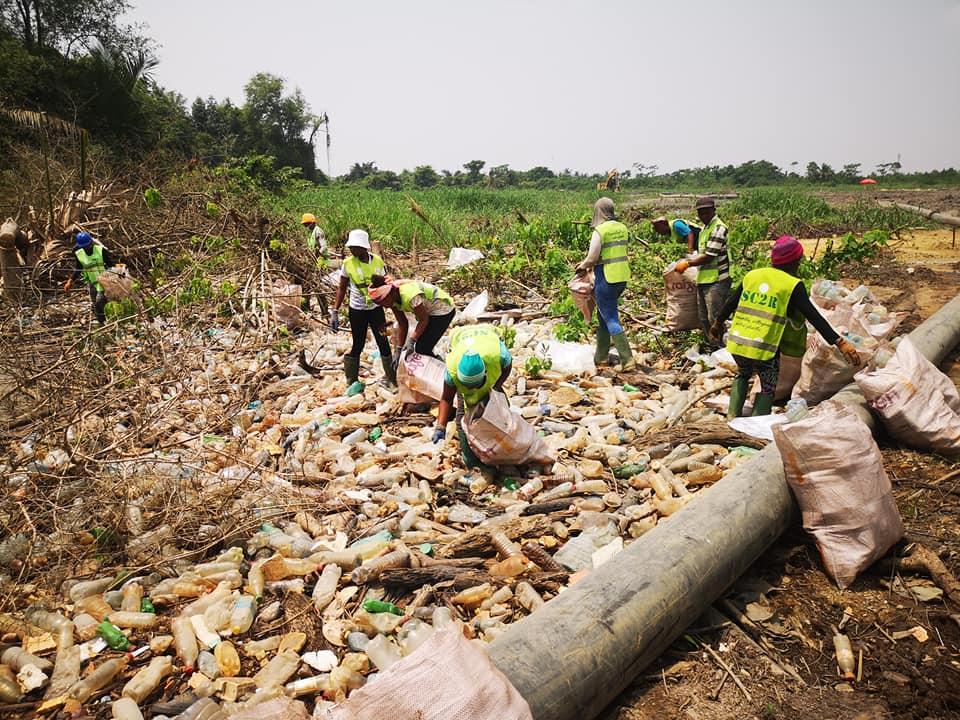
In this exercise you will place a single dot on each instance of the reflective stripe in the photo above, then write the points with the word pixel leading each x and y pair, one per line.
pixel 762 314
pixel 760 322
pixel 759 344
pixel 614 238
pixel 92 265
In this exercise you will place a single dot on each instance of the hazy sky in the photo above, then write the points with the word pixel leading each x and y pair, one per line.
pixel 588 85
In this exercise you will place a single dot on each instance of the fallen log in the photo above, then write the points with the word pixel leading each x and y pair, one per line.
pixel 928 214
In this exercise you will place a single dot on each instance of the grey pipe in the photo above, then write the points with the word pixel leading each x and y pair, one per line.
pixel 574 655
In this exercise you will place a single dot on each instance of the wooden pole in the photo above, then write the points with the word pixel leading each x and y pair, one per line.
pixel 929 214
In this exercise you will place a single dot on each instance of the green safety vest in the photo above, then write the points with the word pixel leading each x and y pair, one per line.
pixel 409 290
pixel 92 265
pixel 761 316
pixel 709 272
pixel 486 341
pixel 613 251
pixel 361 272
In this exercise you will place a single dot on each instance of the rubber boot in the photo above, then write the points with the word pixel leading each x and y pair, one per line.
pixel 602 355
pixel 738 396
pixel 389 374
pixel 762 404
pixel 623 350
pixel 351 368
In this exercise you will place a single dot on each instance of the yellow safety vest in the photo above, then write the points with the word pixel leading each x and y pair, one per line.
pixel 409 290
pixel 361 273
pixel 709 272
pixel 761 316
pixel 613 251
pixel 91 265
pixel 485 340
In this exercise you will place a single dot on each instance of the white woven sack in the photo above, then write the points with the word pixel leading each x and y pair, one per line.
pixel 420 378
pixel 116 283
pixel 446 678
pixel 286 303
pixel 835 470
pixel 500 436
pixel 682 313
pixel 918 404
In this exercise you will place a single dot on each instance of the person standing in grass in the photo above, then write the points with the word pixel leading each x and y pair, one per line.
pixel 713 267
pixel 433 308
pixel 771 305
pixel 608 258
pixel 359 272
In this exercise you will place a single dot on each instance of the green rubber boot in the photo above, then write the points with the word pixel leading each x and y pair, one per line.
pixel 623 350
pixel 390 375
pixel 351 368
pixel 738 396
pixel 601 356
pixel 762 403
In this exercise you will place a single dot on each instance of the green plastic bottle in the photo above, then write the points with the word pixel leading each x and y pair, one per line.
pixel 355 388
pixel 375 434
pixel 628 471
pixel 147 606
pixel 113 635
pixel 380 606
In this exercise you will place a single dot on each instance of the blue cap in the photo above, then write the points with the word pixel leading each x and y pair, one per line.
pixel 84 240
pixel 471 370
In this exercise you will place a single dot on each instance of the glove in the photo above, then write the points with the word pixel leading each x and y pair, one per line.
pixel 438 435
pixel 850 353
pixel 68 284
pixel 395 362
pixel 682 266
pixel 335 320
pixel 715 335
pixel 409 344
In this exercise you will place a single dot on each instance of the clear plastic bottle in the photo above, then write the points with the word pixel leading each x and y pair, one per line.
pixel 131 596
pixel 84 689
pixel 243 613
pixel 227 659
pixel 371 569
pixel 307 686
pixel 591 487
pixel 148 678
pixel 528 597
pixel 460 513
pixel 88 588
pixel 17 658
pixel 278 671
pixel 412 635
pixel 509 567
pixel 562 490
pixel 9 690
pixel 845 658
pixel 796 409
pixel 66 671
pixel 125 708
pixel 382 652
pixel 473 595
pixel 207 664
pixel 200 606
pixel 217 617
pixel 203 709
pixel 140 620
pixel 185 642
pixel 530 488
pixel 326 587
pixel 55 623
pixel 442 617
pixel 206 638
pixel 94 605
pixel 255 580
pixel 502 595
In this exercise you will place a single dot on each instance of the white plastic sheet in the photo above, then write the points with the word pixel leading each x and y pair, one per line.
pixel 462 256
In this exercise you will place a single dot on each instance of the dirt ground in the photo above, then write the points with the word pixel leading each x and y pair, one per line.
pixel 794 605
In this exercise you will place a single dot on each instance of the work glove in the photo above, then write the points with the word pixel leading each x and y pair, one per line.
pixel 438 435
pixel 68 284
pixel 715 336
pixel 335 320
pixel 850 353
pixel 409 344
pixel 681 266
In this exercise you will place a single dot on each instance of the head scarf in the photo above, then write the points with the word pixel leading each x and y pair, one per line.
pixel 603 211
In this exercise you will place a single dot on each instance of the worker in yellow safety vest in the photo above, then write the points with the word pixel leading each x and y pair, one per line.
pixel 92 259
pixel 679 231
pixel 770 303
pixel 478 362
pixel 358 272
pixel 608 257
pixel 433 308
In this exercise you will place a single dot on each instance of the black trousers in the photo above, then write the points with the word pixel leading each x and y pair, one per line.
pixel 374 319
pixel 436 326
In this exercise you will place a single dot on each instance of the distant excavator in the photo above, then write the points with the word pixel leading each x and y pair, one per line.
pixel 612 182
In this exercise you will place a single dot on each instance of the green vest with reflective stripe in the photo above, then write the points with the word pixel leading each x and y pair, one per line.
pixel 92 265
pixel 709 272
pixel 613 251
pixel 761 316
pixel 361 272
pixel 409 290
pixel 486 341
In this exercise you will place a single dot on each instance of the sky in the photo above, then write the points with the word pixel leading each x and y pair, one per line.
pixel 587 85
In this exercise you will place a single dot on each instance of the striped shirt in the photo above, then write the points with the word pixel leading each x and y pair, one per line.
pixel 717 247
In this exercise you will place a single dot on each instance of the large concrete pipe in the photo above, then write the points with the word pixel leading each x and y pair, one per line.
pixel 573 656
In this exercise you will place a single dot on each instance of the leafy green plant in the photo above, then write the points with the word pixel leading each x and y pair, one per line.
pixel 120 309
pixel 536 365
pixel 509 336
pixel 151 196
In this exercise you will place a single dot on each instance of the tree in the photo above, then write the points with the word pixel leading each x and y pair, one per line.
pixel 813 172
pixel 359 171
pixel 387 180
pixel 425 176
pixel 473 169
pixel 850 172
pixel 67 25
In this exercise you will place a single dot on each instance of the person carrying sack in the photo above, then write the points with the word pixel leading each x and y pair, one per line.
pixel 358 272
pixel 92 259
pixel 770 303
pixel 478 362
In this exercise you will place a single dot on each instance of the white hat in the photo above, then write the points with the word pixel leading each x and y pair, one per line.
pixel 358 238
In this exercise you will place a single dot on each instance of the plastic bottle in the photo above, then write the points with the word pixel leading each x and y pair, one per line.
pixel 530 488
pixel 55 623
pixel 412 635
pixel 535 552
pixel 125 709
pixel 9 690
pixel 148 678
pixel 207 664
pixel 465 514
pixel 590 486
pixel 84 689
pixel 66 671
pixel 131 595
pixel 502 595
pixel 442 617
pixel 796 409
pixel 680 451
pixel 217 617
pixel 227 659
pixel 114 636
pixel 380 606
pixel 244 611
pixel 509 567
pixel 95 605
pixel 307 686
pixel 473 595
pixel 203 709
pixel 845 659
pixel 200 606
pixel 562 490
pixel 88 588
pixel 123 619
pixel 255 580
pixel 352 438
pixel 371 569
pixel 356 387
pixel 383 653
pixel 278 670
pixel 184 642
pixel 660 486
pixel 528 597
pixel 206 638
pixel 326 587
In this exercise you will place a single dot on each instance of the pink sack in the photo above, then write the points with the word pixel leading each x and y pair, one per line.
pixel 581 288
pixel 835 470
